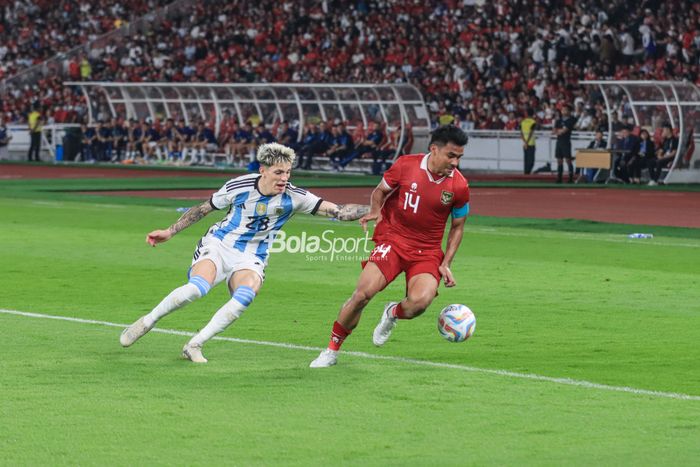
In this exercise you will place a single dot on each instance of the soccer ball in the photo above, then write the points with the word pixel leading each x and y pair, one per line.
pixel 456 323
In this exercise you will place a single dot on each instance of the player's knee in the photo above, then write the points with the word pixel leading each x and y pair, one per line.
pixel 243 295
pixel 418 304
pixel 362 296
pixel 201 284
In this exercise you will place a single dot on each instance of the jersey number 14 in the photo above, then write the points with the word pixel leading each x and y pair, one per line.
pixel 409 202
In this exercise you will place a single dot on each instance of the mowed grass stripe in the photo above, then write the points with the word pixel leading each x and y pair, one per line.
pixel 409 361
pixel 501 231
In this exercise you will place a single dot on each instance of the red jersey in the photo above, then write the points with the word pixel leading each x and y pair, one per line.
pixel 416 211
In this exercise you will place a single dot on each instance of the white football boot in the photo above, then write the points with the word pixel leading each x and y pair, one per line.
pixel 193 353
pixel 134 332
pixel 386 325
pixel 325 359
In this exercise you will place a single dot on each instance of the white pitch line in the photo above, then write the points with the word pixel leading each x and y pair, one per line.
pixel 411 361
pixel 617 238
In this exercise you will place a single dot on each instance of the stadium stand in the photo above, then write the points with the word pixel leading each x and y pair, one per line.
pixel 479 65
pixel 32 31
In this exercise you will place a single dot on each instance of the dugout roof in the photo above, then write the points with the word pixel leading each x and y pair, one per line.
pixel 397 105
pixel 653 104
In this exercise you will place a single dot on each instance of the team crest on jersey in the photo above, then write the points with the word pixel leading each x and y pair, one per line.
pixel 260 209
pixel 414 186
pixel 279 210
pixel 446 197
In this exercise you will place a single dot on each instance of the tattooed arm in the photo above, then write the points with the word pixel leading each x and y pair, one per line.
pixel 342 212
pixel 192 215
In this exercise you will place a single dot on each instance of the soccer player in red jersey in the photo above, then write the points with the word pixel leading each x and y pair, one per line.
pixel 410 206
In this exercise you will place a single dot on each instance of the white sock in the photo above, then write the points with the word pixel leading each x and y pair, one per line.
pixel 175 299
pixel 227 314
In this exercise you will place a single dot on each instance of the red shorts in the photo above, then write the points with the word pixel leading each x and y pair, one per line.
pixel 392 260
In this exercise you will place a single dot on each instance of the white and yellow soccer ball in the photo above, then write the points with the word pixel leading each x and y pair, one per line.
pixel 456 323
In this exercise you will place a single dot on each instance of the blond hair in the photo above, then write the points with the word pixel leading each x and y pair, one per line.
pixel 275 153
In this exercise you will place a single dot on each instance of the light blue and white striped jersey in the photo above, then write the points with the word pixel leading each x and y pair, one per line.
pixel 253 218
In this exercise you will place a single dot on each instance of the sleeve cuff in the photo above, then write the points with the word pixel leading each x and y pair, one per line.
pixel 315 209
pixel 211 202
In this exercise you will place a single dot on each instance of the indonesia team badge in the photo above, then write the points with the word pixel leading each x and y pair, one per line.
pixel 446 197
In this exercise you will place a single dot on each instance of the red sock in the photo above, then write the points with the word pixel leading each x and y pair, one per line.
pixel 338 335
pixel 398 312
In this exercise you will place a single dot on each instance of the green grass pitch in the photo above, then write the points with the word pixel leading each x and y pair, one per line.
pixel 586 350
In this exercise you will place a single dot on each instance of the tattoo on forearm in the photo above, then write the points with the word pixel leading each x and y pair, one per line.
pixel 192 215
pixel 350 212
pixel 332 212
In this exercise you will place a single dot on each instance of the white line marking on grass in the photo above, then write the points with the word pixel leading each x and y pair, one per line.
pixel 411 361
pixel 79 204
pixel 595 237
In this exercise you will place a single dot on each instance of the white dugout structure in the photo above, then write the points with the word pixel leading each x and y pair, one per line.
pixel 399 106
pixel 650 103
pixel 653 104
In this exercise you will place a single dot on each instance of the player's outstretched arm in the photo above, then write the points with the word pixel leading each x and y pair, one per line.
pixel 192 215
pixel 342 212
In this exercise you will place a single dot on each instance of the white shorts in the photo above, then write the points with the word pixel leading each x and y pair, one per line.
pixel 226 259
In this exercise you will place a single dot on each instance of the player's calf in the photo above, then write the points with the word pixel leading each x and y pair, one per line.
pixel 408 308
pixel 411 308
pixel 196 287
pixel 232 310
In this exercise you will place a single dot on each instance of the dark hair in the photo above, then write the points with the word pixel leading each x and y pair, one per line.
pixel 448 134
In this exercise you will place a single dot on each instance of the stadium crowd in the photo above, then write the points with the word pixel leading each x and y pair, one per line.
pixel 32 31
pixel 480 65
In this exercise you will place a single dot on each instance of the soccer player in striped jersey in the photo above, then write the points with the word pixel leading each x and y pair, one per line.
pixel 235 249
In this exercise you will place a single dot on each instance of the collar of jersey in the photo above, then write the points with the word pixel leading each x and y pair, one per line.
pixel 257 180
pixel 424 166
